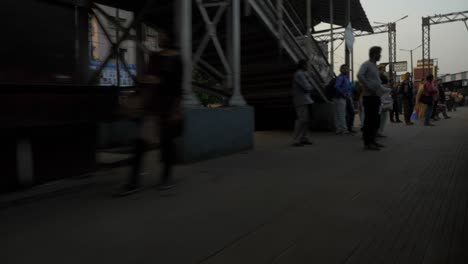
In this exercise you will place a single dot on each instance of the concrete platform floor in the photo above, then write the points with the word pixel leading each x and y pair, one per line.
pixel 328 203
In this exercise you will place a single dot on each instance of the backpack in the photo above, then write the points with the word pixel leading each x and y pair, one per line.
pixel 330 89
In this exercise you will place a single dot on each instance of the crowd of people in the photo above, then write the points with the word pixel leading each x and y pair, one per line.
pixel 376 99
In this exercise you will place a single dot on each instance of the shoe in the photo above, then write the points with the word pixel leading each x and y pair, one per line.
pixel 165 186
pixel 381 136
pixel 399 121
pixel 371 147
pixel 392 121
pixel 378 145
pixel 297 145
pixel 430 124
pixel 447 117
pixel 306 142
pixel 352 131
pixel 126 190
pixel 409 123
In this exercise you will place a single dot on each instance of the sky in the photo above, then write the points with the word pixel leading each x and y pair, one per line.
pixel 449 42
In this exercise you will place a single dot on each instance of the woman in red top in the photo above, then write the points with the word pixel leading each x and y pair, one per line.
pixel 428 99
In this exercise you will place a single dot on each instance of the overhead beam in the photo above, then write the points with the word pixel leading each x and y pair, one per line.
pixel 358 33
pixel 426 32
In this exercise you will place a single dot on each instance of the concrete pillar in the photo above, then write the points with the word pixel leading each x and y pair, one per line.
pixel 236 99
pixel 183 12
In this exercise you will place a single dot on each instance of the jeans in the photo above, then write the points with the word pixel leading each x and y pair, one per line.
pixel 371 118
pixel 428 114
pixel 395 112
pixel 340 114
pixel 407 108
pixel 301 126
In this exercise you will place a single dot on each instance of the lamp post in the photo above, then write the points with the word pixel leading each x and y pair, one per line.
pixel 411 54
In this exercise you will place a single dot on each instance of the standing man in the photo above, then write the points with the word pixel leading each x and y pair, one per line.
pixel 395 112
pixel 342 94
pixel 369 77
pixel 301 95
pixel 406 92
pixel 442 101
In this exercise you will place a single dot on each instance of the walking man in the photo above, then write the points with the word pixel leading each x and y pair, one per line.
pixel 369 77
pixel 165 65
pixel 406 92
pixel 301 95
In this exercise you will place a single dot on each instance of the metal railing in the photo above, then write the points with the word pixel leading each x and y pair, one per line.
pixel 292 33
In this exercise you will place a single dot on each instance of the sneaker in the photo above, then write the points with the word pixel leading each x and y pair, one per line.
pixel 378 145
pixel 297 145
pixel 399 121
pixel 371 147
pixel 447 117
pixel 165 186
pixel 306 142
pixel 381 136
pixel 126 190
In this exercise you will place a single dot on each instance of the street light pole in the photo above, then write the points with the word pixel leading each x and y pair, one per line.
pixel 411 54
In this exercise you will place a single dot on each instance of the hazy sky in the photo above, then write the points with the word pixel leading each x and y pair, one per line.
pixel 449 42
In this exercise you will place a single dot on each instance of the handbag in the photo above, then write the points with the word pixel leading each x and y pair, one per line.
pixel 414 116
pixel 425 99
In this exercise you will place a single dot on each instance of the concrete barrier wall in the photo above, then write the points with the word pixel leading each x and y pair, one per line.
pixel 215 132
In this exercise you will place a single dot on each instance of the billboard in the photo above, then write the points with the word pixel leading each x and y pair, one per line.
pixel 401 66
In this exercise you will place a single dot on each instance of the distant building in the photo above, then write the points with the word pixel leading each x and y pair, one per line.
pixel 456 81
pixel 418 71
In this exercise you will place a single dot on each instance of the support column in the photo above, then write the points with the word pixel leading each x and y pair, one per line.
pixel 332 47
pixel 82 55
pixel 391 49
pixel 348 20
pixel 412 69
pixel 426 49
pixel 183 13
pixel 236 99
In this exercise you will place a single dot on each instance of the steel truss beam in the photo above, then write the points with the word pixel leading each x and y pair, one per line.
pixel 339 35
pixel 211 34
pixel 426 32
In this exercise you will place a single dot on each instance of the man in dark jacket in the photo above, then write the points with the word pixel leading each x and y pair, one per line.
pixel 406 92
pixel 442 99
